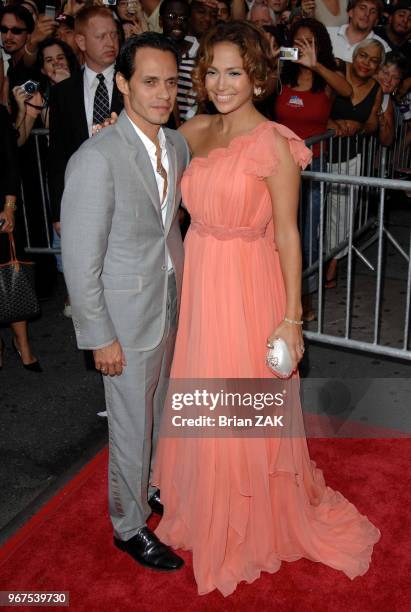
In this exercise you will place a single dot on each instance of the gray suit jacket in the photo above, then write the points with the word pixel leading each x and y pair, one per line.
pixel 114 243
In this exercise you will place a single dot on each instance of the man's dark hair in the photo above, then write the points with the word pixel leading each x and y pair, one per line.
pixel 20 13
pixel 148 40
pixel 165 3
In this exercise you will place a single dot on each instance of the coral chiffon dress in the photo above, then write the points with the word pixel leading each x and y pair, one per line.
pixel 243 505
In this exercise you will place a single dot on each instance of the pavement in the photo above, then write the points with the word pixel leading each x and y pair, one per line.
pixel 49 426
pixel 48 421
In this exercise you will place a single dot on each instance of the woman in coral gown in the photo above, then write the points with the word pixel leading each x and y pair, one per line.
pixel 243 505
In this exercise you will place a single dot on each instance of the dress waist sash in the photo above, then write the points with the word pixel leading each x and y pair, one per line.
pixel 228 233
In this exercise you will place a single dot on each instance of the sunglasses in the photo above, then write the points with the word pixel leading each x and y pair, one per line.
pixel 16 31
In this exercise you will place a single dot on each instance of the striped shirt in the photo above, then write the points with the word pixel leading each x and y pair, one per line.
pixel 185 96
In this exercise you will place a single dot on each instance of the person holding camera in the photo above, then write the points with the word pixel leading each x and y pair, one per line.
pixel 310 85
pixel 45 26
pixel 9 187
pixel 56 62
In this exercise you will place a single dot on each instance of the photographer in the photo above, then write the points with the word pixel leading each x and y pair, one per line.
pixel 56 62
pixel 45 27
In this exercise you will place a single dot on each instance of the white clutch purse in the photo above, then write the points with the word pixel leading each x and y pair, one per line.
pixel 278 358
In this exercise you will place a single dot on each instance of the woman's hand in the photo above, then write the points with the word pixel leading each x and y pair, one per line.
pixel 61 74
pixel 344 127
pixel 100 126
pixel 45 27
pixel 293 336
pixel 352 127
pixel 308 57
pixel 8 216
pixel 72 7
pixel 20 96
pixel 132 29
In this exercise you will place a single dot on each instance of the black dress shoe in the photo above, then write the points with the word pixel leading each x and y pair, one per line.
pixel 155 503
pixel 146 549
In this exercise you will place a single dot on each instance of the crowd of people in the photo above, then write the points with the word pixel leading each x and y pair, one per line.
pixel 352 75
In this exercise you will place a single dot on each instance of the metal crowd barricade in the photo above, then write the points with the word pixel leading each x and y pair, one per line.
pixel 346 339
pixel 46 246
pixel 399 155
pixel 356 186
pixel 336 156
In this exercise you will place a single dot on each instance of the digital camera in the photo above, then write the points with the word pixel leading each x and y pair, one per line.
pixel 30 87
pixel 289 53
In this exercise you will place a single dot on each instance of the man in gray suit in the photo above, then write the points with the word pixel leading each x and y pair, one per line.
pixel 123 263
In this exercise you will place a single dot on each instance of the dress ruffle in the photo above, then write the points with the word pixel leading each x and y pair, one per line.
pixel 264 159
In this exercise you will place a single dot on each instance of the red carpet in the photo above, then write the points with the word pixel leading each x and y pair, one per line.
pixel 67 547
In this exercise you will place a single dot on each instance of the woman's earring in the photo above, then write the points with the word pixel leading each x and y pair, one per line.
pixel 257 91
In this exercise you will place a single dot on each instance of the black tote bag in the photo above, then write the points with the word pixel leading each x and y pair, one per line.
pixel 18 300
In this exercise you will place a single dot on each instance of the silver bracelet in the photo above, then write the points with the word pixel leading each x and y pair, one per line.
pixel 293 321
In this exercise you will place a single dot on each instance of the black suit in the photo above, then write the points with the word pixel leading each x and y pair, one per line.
pixel 68 130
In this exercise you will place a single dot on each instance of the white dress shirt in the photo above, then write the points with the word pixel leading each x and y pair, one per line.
pixel 90 85
pixel 151 149
pixel 342 48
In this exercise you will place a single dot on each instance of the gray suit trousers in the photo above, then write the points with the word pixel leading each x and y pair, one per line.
pixel 135 402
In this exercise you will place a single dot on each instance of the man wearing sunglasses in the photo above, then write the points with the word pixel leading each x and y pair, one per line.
pixel 16 24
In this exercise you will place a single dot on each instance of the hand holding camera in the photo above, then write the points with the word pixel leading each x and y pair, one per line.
pixel 44 28
pixel 307 53
pixel 20 96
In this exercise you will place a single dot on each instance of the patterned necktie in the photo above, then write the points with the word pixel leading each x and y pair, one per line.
pixel 161 171
pixel 101 109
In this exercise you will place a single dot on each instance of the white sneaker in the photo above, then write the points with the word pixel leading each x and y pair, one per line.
pixel 102 414
pixel 67 311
